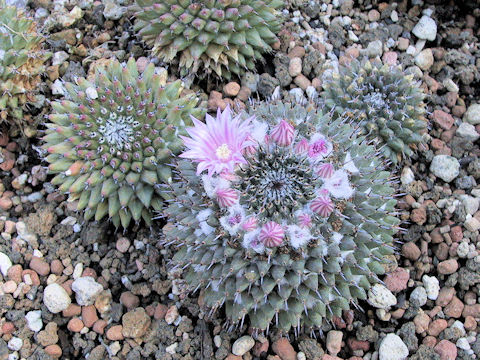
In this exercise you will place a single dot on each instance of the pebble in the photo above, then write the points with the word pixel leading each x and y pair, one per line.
pixel 446 349
pixel 397 280
pixel 295 67
pixel 447 267
pixel 15 344
pixel 472 115
pixel 450 85
pixel 334 342
pixel 443 119
pixel 407 176
pixel 135 323
pixel 467 131
pixel 129 300
pixel 411 251
pixel 86 290
pixel 123 244
pixel 471 223
pixel 55 298
pixel 445 167
pixel 432 286
pixel 425 29
pixel 171 315
pixel 424 59
pixel 284 349
pixel 231 89
pixel 89 315
pixel 54 351
pixel 34 320
pixel 75 325
pixel 113 11
pixel 380 297
pixel 242 345
pixel 115 333
pixel 172 348
pixel 418 297
pixel 5 264
pixel 373 15
pixel 392 347
pixel 374 48
pixel 59 58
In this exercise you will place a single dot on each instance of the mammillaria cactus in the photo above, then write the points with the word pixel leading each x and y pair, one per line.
pixel 111 143
pixel 223 36
pixel 297 232
pixel 388 103
pixel 21 62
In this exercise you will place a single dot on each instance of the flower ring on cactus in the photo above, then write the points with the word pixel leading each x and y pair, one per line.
pixel 297 232
pixel 22 61
pixel 214 36
pixel 389 105
pixel 111 144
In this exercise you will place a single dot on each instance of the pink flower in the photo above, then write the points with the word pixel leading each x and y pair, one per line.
pixel 302 146
pixel 319 147
pixel 322 205
pixel 250 224
pixel 283 133
pixel 217 145
pixel 252 148
pixel 325 170
pixel 338 185
pixel 305 220
pixel 226 197
pixel 272 234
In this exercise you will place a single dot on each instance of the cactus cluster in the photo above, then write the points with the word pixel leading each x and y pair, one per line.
pixel 386 101
pixel 286 219
pixel 21 62
pixel 213 36
pixel 110 144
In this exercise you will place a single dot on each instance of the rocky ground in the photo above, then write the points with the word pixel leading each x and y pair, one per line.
pixel 73 290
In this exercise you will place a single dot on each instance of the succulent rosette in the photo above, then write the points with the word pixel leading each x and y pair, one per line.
pixel 283 215
pixel 387 102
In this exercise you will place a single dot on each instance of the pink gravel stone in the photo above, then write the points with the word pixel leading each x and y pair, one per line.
pixel 397 280
pixel 446 349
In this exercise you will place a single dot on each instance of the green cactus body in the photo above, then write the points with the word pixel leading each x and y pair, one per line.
pixel 304 239
pixel 219 36
pixel 389 105
pixel 21 62
pixel 110 145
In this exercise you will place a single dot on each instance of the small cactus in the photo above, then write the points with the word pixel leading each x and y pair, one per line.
pixel 297 232
pixel 209 36
pixel 110 145
pixel 21 62
pixel 389 105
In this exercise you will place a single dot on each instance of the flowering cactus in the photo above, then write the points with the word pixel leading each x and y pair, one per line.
pixel 219 36
pixel 21 62
pixel 388 104
pixel 111 143
pixel 283 215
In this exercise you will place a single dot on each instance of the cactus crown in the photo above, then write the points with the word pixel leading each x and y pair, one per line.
pixel 111 143
pixel 21 61
pixel 388 103
pixel 297 232
pixel 219 36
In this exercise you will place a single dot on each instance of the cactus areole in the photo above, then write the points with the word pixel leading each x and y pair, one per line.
pixel 282 215
pixel 111 144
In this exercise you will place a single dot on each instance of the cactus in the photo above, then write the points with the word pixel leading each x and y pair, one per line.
pixel 110 145
pixel 21 62
pixel 213 36
pixel 301 228
pixel 388 104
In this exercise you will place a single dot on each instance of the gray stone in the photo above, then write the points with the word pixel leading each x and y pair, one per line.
pixel 5 264
pixel 55 298
pixel 426 29
pixel 392 348
pixel 424 59
pixel 242 345
pixel 445 167
pixel 467 131
pixel 472 115
pixel 113 11
pixel 86 290
pixel 34 320
pixel 374 48
pixel 380 297
pixel 418 297
pixel 432 286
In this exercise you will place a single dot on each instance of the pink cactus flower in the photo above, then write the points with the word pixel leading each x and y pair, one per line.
pixel 304 220
pixel 272 234
pixel 283 133
pixel 217 145
pixel 325 170
pixel 226 197
pixel 319 147
pixel 302 146
pixel 250 224
pixel 322 205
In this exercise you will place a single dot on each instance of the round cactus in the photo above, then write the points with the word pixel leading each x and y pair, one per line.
pixel 21 62
pixel 388 103
pixel 219 36
pixel 111 143
pixel 292 221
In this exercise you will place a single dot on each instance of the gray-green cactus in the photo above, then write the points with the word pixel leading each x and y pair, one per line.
pixel 387 102
pixel 111 143
pixel 299 232
pixel 209 36
pixel 21 62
